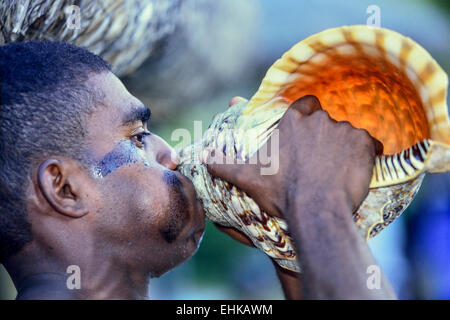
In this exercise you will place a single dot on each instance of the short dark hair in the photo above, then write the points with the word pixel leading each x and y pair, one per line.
pixel 44 103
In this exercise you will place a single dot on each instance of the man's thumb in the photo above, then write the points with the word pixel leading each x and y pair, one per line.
pixel 221 166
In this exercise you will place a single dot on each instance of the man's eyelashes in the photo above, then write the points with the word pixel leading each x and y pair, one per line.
pixel 139 139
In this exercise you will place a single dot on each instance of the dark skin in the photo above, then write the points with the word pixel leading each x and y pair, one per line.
pixel 125 219
pixel 290 281
pixel 317 200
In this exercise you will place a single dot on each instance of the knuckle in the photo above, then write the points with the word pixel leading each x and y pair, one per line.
pixel 310 99
pixel 367 141
pixel 345 124
pixel 293 114
pixel 321 115
pixel 364 135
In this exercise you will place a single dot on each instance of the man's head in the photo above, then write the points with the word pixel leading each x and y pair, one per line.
pixel 80 172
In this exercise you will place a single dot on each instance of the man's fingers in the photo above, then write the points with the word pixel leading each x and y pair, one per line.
pixel 378 146
pixel 221 166
pixel 235 234
pixel 307 105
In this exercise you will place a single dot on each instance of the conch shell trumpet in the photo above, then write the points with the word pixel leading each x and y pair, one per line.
pixel 375 79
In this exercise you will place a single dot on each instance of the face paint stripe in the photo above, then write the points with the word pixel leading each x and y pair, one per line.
pixel 125 152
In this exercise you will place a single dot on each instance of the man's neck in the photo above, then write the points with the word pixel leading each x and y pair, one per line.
pixel 45 286
pixel 102 279
pixel 58 286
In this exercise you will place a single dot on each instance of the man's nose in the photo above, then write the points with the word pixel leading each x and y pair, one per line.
pixel 164 153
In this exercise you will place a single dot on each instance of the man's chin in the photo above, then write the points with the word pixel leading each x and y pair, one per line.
pixel 184 253
pixel 196 238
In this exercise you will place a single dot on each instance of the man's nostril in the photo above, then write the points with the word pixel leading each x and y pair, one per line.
pixel 174 157
pixel 169 159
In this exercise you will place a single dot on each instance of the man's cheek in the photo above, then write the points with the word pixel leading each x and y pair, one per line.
pixel 126 200
pixel 174 221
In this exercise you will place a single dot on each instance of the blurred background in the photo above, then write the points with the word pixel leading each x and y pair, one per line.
pixel 217 49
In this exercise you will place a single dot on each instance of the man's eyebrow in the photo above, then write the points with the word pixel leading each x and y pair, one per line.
pixel 137 113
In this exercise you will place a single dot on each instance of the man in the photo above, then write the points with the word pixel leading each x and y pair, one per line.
pixel 84 183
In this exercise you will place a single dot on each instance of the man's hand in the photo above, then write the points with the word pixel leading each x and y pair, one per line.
pixel 324 173
pixel 318 157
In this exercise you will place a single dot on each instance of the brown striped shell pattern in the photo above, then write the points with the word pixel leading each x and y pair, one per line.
pixel 376 79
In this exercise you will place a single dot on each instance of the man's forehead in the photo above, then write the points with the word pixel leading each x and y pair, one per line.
pixel 118 102
pixel 107 125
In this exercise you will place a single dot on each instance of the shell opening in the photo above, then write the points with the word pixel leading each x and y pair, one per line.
pixel 361 84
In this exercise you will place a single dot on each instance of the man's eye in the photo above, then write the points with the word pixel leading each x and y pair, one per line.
pixel 139 139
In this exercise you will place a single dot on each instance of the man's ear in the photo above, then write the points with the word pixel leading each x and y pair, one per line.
pixel 58 186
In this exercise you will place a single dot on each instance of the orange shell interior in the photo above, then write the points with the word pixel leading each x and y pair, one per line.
pixel 367 90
